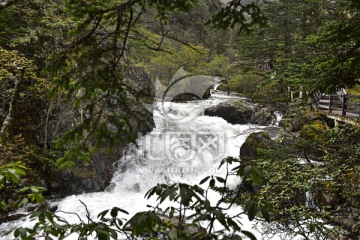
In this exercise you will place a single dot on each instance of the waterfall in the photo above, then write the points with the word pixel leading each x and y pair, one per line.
pixel 278 119
pixel 217 84
pixel 175 151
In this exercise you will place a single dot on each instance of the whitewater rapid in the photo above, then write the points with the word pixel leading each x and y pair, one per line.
pixel 153 159
pixel 185 150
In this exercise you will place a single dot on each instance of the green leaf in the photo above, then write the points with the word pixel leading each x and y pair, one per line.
pixel 3 205
pixel 247 170
pixel 221 163
pixel 17 232
pixel 114 212
pixel 102 234
pixel 252 211
pixel 39 198
pixel 199 190
pixel 202 217
pixel 239 169
pixel 49 216
pixel 264 212
pixel 220 179
pixel 220 216
pixel 66 164
pixel 212 183
pixel 13 176
pixel 204 180
pixel 102 214
pixel 173 235
pixel 23 202
pixel 207 205
pixel 236 237
pixel 20 171
pixel 186 194
pixel 119 222
pixel 312 227
pixel 233 224
pixel 248 234
pixel 123 211
pixel 34 189
pixel 150 193
pixel 158 189
pixel 144 222
pixel 172 210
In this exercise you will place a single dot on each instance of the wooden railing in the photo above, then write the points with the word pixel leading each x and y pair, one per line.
pixel 340 105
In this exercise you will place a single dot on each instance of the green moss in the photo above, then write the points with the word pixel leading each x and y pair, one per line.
pixel 84 174
pixel 255 137
pixel 259 141
pixel 354 90
pixel 240 104
pixel 315 130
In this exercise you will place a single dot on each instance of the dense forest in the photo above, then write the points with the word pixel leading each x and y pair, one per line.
pixel 76 75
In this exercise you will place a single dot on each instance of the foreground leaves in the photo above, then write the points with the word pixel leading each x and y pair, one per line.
pixel 189 214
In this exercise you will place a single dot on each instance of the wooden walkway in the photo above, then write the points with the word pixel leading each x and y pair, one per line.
pixel 345 108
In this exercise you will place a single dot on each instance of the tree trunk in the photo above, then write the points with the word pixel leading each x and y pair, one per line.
pixel 12 107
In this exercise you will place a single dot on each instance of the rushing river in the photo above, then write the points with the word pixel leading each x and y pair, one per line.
pixel 185 150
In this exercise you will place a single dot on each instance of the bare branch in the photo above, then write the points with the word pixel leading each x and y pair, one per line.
pixel 86 36
pixel 87 212
pixel 184 43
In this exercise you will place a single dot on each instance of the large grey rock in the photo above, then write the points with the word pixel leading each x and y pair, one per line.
pixel 249 149
pixel 297 122
pixel 241 112
pixel 233 111
pixel 262 116
pixel 87 177
pixel 139 80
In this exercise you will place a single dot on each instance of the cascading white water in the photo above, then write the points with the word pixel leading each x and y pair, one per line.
pixel 158 159
pixel 175 151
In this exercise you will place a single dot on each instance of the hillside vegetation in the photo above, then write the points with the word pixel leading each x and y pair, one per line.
pixel 74 76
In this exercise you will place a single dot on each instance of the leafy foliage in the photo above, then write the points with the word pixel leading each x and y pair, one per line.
pixel 336 66
pixel 20 86
pixel 86 49
pixel 310 183
pixel 194 218
pixel 12 195
pixel 239 13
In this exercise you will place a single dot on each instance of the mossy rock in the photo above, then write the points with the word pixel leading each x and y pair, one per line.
pixel 234 111
pixel 316 130
pixel 254 142
pixel 84 173
pixel 296 122
pixel 93 176
pixel 241 112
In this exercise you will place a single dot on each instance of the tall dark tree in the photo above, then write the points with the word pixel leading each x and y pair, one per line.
pixel 336 64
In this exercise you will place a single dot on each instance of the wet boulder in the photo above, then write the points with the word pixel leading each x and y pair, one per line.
pixel 241 111
pixel 233 111
pixel 255 141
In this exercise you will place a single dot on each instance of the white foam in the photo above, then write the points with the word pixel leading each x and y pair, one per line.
pixel 139 171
